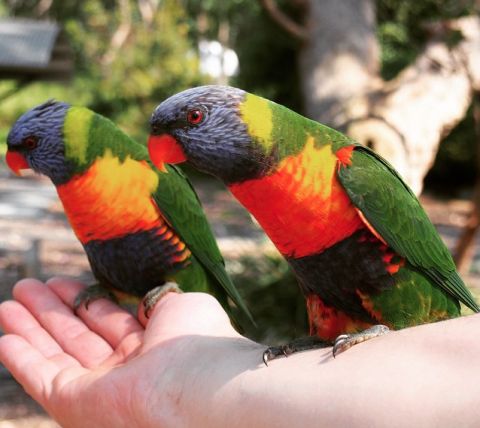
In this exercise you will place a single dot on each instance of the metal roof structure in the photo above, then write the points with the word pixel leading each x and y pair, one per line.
pixel 32 49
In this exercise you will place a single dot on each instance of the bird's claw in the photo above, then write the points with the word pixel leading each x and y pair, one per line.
pixel 155 294
pixel 297 345
pixel 266 357
pixel 273 352
pixel 339 344
pixel 90 294
pixel 346 341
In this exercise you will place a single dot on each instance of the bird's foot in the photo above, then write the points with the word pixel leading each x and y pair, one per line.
pixel 92 293
pixel 297 345
pixel 346 341
pixel 155 294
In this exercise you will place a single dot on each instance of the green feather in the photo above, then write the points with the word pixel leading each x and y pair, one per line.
pixel 181 207
pixel 88 136
pixel 395 213
pixel 289 131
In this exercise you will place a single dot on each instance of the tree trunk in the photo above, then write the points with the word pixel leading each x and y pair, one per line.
pixel 340 59
pixel 409 115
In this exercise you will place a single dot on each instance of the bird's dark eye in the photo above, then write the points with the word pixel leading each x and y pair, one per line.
pixel 30 142
pixel 195 116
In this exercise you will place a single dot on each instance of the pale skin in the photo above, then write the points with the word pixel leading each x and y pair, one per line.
pixel 186 366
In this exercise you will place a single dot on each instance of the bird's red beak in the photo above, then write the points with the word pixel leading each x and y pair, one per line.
pixel 16 162
pixel 164 149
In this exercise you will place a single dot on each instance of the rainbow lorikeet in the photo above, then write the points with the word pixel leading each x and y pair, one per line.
pixel 141 227
pixel 356 237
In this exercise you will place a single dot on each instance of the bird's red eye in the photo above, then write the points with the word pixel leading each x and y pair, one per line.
pixel 30 142
pixel 195 116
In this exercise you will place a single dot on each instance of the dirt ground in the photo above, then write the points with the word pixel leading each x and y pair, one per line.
pixel 35 240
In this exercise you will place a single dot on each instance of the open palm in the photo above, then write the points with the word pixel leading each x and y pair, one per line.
pixel 105 361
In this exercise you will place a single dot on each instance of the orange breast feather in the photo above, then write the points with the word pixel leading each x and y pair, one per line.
pixel 301 206
pixel 111 199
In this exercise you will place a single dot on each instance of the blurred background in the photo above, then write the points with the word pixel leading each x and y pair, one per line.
pixel 402 77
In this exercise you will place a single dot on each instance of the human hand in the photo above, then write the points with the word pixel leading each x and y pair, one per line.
pixel 187 366
pixel 105 368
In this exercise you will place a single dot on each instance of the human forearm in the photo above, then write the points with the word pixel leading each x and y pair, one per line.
pixel 424 376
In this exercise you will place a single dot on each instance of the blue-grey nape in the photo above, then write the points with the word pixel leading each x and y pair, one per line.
pixel 44 123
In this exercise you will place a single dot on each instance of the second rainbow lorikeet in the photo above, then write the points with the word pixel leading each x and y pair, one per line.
pixel 141 227
pixel 358 240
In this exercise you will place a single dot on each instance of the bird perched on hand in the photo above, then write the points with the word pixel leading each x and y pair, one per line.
pixel 141 227
pixel 360 244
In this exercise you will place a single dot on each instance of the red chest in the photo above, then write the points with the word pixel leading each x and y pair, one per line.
pixel 302 206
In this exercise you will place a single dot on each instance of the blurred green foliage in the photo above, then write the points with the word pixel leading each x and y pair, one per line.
pixel 123 81
pixel 273 296
pixel 267 54
pixel 401 30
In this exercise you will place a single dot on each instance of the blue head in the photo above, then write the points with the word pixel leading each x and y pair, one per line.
pixel 204 127
pixel 36 141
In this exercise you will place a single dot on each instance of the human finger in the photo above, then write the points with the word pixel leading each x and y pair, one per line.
pixel 30 367
pixel 69 331
pixel 16 319
pixel 108 320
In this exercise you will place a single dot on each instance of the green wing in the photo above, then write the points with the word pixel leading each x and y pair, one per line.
pixel 178 202
pixel 180 205
pixel 391 208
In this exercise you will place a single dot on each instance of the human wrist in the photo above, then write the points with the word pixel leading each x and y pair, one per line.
pixel 208 393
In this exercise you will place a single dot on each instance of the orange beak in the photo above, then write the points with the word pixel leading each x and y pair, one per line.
pixel 16 162
pixel 164 149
